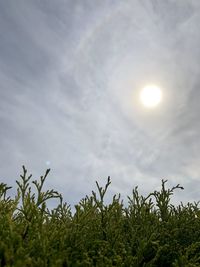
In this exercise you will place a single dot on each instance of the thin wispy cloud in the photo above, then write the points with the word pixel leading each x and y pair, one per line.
pixel 70 73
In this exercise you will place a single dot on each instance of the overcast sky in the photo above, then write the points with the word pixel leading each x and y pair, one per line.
pixel 70 73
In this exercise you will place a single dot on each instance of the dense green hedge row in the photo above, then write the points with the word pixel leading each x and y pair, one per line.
pixel 148 232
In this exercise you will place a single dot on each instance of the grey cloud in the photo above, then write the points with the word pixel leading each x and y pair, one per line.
pixel 67 73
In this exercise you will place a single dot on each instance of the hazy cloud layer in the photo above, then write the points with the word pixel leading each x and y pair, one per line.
pixel 70 72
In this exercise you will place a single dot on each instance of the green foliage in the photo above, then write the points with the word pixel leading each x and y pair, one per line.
pixel 149 232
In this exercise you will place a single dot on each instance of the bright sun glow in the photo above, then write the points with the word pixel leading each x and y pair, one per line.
pixel 150 96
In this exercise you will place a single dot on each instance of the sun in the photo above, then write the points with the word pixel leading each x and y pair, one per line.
pixel 151 96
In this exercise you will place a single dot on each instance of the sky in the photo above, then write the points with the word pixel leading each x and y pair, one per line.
pixel 70 75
